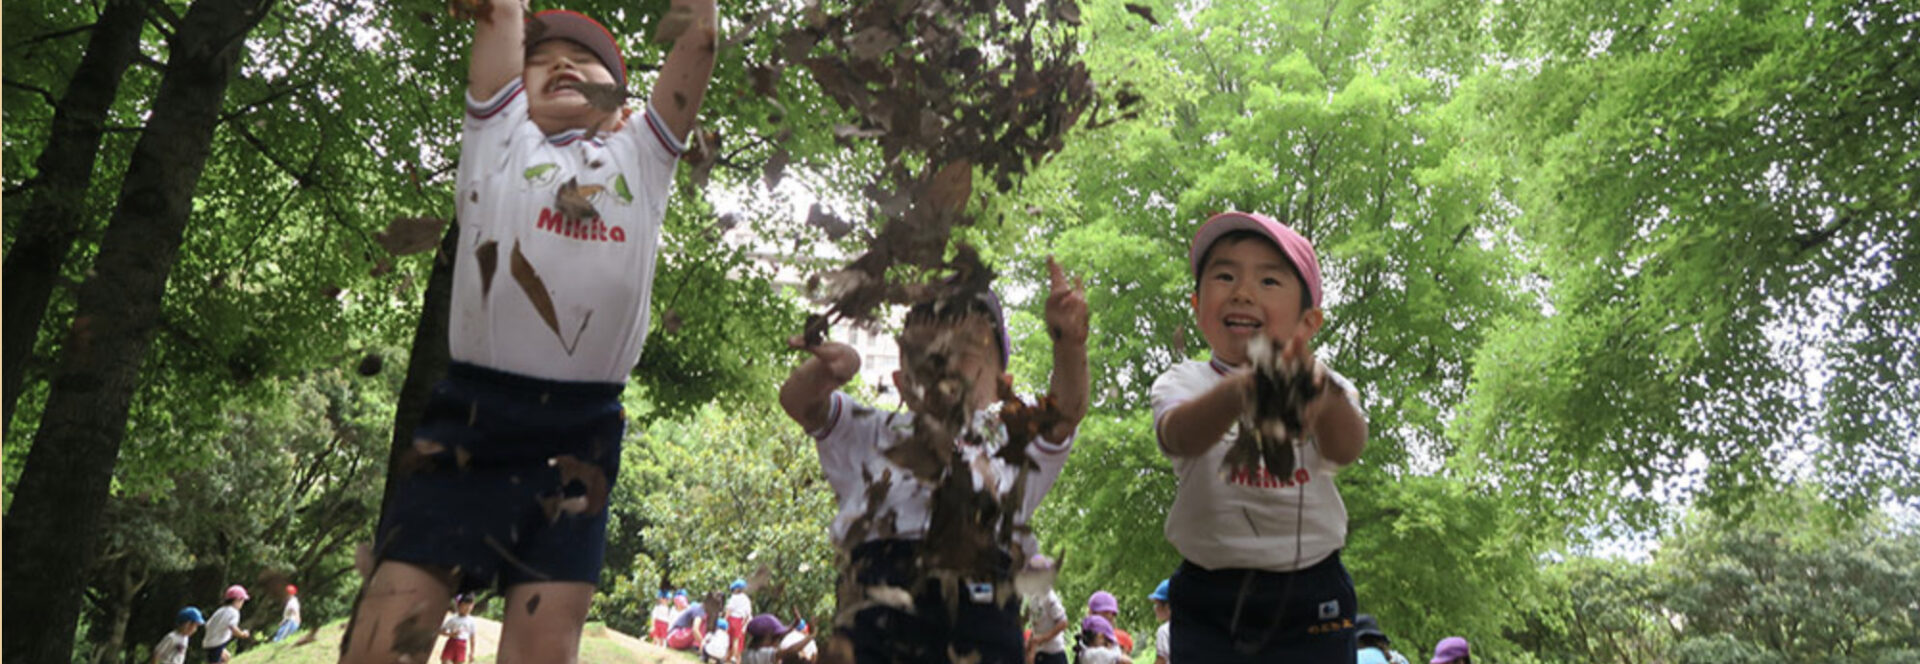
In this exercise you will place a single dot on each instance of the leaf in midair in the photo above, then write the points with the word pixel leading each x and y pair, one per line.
pixel 467 10
pixel 675 22
pixel 671 323
pixel 572 199
pixel 775 168
pixel 488 255
pixel 535 288
pixel 846 131
pixel 827 222
pixel 1066 11
pixel 766 80
pixel 535 31
pixel 1142 11
pixel 872 42
pixel 411 235
pixel 604 97
pixel 950 187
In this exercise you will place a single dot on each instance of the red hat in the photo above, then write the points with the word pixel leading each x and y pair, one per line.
pixel 292 590
pixel 1292 245
pixel 576 27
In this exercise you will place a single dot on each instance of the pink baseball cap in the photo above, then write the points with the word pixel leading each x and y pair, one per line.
pixel 1097 625
pixel 1294 246
pixel 578 28
pixel 1103 602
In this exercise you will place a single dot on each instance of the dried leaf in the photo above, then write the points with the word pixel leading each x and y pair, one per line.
pixel 677 20
pixel 827 222
pixel 604 97
pixel 535 288
pixel 871 43
pixel 950 187
pixel 411 235
pixel 468 10
pixel 1066 11
pixel 488 256
pixel 766 80
pixel 849 131
pixel 775 168
pixel 370 365
pixel 573 199
pixel 1142 11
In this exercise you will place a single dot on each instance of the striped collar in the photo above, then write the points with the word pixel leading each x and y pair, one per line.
pixel 1219 367
pixel 572 136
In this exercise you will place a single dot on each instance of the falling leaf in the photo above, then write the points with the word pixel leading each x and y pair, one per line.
pixel 535 288
pixel 1142 11
pixel 670 322
pixel 370 365
pixel 850 131
pixel 603 97
pixel 951 187
pixel 411 235
pixel 468 10
pixel 488 256
pixel 766 80
pixel 536 30
pixel 573 199
pixel 775 168
pixel 590 478
pixel 1066 11
pixel 872 42
pixel 677 20
pixel 827 222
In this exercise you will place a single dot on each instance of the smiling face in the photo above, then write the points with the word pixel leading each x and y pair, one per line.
pixel 554 106
pixel 1248 288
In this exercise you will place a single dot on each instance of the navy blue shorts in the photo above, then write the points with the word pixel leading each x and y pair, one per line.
pixel 986 624
pixel 507 480
pixel 1243 615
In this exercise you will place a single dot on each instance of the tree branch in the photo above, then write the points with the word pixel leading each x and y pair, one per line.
pixel 43 92
pixel 1816 238
pixel 60 33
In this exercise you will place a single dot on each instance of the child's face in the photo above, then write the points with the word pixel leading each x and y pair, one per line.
pixel 553 106
pixel 466 608
pixel 189 628
pixel 971 349
pixel 1248 288
pixel 1162 610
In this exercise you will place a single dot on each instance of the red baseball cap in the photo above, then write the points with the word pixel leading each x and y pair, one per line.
pixel 578 28
pixel 1294 246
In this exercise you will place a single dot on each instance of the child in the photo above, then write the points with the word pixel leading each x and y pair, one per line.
pixel 1049 616
pixel 983 620
pixel 739 610
pixel 1103 604
pixel 1162 611
pixel 461 630
pixel 717 643
pixel 289 616
pixel 1262 579
pixel 172 648
pixel 1367 635
pixel 1452 650
pixel 770 641
pixel 797 645
pixel 1097 645
pixel 689 628
pixel 224 626
pixel 662 616
pixel 560 205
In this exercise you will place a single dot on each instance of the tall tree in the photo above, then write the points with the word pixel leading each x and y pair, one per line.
pixel 64 486
pixel 57 192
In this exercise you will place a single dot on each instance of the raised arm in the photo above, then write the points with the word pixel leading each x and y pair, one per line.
pixel 499 50
pixel 1067 325
pixel 807 396
pixel 1194 427
pixel 689 66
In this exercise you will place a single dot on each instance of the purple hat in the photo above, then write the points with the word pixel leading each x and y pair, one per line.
pixel 766 624
pixel 1097 625
pixel 1103 602
pixel 578 28
pixel 1449 649
pixel 1295 247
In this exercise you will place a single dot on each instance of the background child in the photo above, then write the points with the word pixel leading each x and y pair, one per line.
pixel 461 631
pixel 689 628
pixel 717 643
pixel 1048 644
pixel 1097 645
pixel 1452 650
pixel 1262 579
pixel 853 441
pixel 1367 635
pixel 172 648
pixel 770 641
pixel 739 610
pixel 224 626
pixel 662 617
pixel 560 205
pixel 289 616
pixel 1162 611
pixel 1103 604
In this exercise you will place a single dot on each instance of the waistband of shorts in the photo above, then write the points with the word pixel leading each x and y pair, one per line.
pixel 583 390
pixel 1332 560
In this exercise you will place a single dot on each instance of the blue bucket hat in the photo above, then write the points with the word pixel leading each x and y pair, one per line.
pixel 189 614
pixel 738 584
pixel 1160 591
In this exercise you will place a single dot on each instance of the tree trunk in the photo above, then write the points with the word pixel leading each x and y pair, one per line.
pixel 427 362
pixel 56 197
pixel 53 523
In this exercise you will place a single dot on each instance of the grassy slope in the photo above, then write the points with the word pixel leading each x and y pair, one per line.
pixel 598 645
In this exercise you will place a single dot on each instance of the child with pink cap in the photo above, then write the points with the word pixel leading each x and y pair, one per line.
pixel 1452 650
pixel 1097 643
pixel 1262 579
pixel 561 192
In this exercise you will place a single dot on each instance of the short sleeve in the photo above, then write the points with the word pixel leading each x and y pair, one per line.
pixel 1177 386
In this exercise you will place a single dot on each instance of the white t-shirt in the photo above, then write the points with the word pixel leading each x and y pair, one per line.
pixel 807 652
pixel 464 628
pixel 853 447
pixel 220 627
pixel 561 299
pixel 761 655
pixel 1105 655
pixel 739 606
pixel 1248 520
pixel 292 612
pixel 1163 641
pixel 172 648
pixel 662 613
pixel 1047 613
pixel 716 644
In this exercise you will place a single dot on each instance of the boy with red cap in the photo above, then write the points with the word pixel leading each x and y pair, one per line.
pixel 1262 579
pixel 289 616
pixel 561 192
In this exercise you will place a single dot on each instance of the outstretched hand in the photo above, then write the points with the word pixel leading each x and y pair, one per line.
pixel 1066 307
